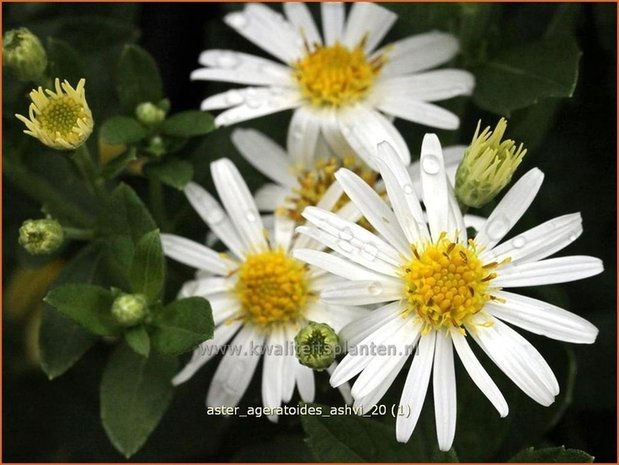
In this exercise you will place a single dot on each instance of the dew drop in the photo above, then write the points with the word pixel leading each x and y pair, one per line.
pixel 375 288
pixel 345 234
pixel 347 130
pixel 234 97
pixel 345 246
pixel 498 227
pixel 370 250
pixel 408 189
pixel 250 216
pixel 237 20
pixel 215 216
pixel 228 60
pixel 572 237
pixel 431 164
pixel 253 103
pixel 519 242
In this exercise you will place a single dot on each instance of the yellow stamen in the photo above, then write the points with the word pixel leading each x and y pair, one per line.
pixel 336 76
pixel 446 284
pixel 272 288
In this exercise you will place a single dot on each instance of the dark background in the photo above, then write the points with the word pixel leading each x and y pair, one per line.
pixel 58 420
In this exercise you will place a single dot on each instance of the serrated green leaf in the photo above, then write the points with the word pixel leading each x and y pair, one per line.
pixel 137 79
pixel 523 75
pixel 135 393
pixel 171 172
pixel 87 305
pixel 182 325
pixel 188 124
pixel 552 455
pixel 137 338
pixel 147 268
pixel 122 130
pixel 64 61
pixel 57 358
pixel 335 437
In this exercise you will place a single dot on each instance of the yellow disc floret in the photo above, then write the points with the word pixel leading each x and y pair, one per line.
pixel 336 76
pixel 446 284
pixel 313 183
pixel 62 119
pixel 272 288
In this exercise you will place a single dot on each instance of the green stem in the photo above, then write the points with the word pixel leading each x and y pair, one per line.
pixel 78 234
pixel 88 170
pixel 40 190
pixel 157 204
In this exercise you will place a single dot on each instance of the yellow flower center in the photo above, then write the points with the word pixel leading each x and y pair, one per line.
pixel 273 288
pixel 60 116
pixel 336 76
pixel 313 183
pixel 446 284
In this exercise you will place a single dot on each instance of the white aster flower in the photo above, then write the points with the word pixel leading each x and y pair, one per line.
pixel 437 289
pixel 260 295
pixel 344 91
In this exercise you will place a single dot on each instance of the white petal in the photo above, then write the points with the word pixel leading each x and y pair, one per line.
pixel 234 97
pixel 418 112
pixel 265 155
pixel 225 307
pixel 266 102
pixel 478 374
pixel 549 271
pixel 542 318
pixel 374 209
pixel 335 264
pixel 214 216
pixel 270 197
pixel 235 370
pixel 196 255
pixel 539 242
pixel 305 382
pixel 370 400
pixel 415 388
pixel 284 230
pixel 356 331
pixel 303 134
pixel 364 129
pixel 272 370
pixel 444 390
pixel 343 388
pixel 369 22
pixel 336 316
pixel 401 194
pixel 419 52
pixel 332 21
pixel 509 210
pixel 289 365
pixel 452 156
pixel 331 196
pixel 363 292
pixel 239 204
pixel 518 359
pixel 332 134
pixel 206 287
pixel 431 86
pixel 267 29
pixel 206 351
pixel 434 185
pixel 456 221
pixel 390 354
pixel 300 17
pixel 474 221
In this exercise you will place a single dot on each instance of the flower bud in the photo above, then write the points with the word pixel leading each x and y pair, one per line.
pixel 23 54
pixel 149 114
pixel 41 237
pixel 316 345
pixel 130 309
pixel 487 166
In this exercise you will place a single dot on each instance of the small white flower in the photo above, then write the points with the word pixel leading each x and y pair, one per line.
pixel 343 89
pixel 437 289
pixel 260 295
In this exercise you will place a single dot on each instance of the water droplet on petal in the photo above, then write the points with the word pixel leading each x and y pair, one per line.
pixel 215 216
pixel 498 227
pixel 345 234
pixel 347 130
pixel 228 60
pixel 345 246
pixel 238 20
pixel 253 103
pixel 431 164
pixel 250 216
pixel 375 288
pixel 408 189
pixel 234 97
pixel 519 242
pixel 369 250
pixel 573 237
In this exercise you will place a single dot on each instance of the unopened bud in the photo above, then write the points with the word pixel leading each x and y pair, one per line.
pixel 316 345
pixel 149 114
pixel 41 237
pixel 23 54
pixel 130 309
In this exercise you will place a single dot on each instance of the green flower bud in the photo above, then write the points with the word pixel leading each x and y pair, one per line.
pixel 149 114
pixel 487 166
pixel 156 146
pixel 130 309
pixel 316 345
pixel 41 237
pixel 23 54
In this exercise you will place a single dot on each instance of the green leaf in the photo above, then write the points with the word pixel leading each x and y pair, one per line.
pixel 62 342
pixel 182 325
pixel 135 393
pixel 64 62
pixel 137 79
pixel 336 437
pixel 147 269
pixel 188 124
pixel 521 76
pixel 137 338
pixel 171 172
pixel 115 166
pixel 552 455
pixel 86 304
pixel 122 130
